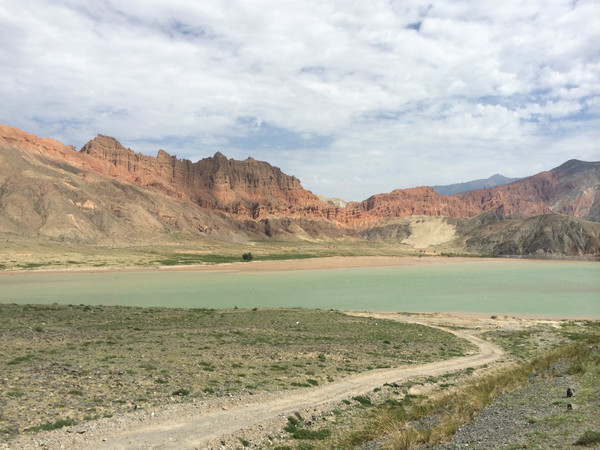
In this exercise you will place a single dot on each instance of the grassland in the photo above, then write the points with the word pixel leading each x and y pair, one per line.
pixel 62 365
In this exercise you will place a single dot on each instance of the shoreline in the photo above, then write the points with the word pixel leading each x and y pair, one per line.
pixel 317 263
pixel 475 315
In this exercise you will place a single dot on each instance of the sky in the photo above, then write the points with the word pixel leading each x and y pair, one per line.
pixel 352 97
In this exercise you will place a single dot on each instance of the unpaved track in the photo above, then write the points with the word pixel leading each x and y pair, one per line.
pixel 196 428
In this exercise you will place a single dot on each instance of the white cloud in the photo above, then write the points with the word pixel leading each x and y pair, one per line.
pixel 354 98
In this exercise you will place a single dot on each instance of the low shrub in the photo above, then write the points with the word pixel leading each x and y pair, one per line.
pixel 363 400
pixel 181 392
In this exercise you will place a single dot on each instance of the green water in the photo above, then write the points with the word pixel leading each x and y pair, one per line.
pixel 553 288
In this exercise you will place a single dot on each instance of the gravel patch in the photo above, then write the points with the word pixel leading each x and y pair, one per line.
pixel 536 416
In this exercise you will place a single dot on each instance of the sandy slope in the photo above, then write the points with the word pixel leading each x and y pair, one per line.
pixel 198 427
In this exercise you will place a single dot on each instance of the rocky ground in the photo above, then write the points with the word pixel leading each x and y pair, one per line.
pixel 538 415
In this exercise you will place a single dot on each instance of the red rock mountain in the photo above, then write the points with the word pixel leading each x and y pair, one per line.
pixel 247 188
pixel 572 189
pixel 255 190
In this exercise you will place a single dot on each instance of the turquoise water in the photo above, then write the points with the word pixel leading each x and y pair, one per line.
pixel 552 288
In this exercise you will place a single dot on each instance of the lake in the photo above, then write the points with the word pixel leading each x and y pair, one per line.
pixel 539 288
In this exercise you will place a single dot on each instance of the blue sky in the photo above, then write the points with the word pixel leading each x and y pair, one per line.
pixel 352 97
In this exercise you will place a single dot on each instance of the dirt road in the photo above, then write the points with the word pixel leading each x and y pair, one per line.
pixel 195 426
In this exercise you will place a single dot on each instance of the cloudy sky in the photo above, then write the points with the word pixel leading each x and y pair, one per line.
pixel 352 97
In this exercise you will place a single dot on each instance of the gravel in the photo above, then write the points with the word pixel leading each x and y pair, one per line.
pixel 536 416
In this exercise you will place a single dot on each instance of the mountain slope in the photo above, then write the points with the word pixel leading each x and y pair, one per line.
pixel 39 197
pixel 572 188
pixel 551 234
pixel 50 190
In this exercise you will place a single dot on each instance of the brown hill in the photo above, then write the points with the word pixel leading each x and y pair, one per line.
pixel 51 191
pixel 544 235
pixel 45 198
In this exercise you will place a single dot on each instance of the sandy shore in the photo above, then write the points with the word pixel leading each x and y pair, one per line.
pixel 330 262
pixel 333 262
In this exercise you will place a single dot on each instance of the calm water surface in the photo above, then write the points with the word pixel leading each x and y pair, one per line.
pixel 552 288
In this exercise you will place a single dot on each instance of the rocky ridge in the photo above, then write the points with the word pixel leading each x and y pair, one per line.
pixel 247 188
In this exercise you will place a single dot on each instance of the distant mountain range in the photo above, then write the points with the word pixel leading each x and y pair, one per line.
pixel 493 181
pixel 105 194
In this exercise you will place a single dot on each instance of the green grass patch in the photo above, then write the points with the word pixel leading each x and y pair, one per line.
pixel 363 400
pixel 20 359
pixel 53 425
pixel 181 392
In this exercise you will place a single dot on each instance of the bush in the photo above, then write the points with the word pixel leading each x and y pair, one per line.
pixel 247 257
pixel 317 435
pixel 363 400
pixel 181 392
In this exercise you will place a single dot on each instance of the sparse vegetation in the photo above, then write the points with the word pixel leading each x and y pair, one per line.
pixel 28 254
pixel 159 355
pixel 363 400
pixel 296 427
pixel 181 392
pixel 53 425
pixel 244 442
pixel 130 356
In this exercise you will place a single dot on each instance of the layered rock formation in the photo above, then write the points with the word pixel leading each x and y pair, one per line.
pixel 572 188
pixel 544 235
pixel 247 188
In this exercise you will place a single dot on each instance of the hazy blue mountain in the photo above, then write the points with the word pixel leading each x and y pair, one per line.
pixel 494 180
